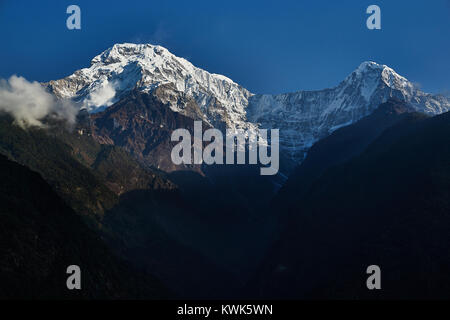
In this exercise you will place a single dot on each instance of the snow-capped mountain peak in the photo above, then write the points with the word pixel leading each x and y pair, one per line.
pixel 383 73
pixel 303 117
pixel 307 116
pixel 144 67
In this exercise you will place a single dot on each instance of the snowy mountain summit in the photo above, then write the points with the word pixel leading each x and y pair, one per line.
pixel 307 116
pixel 303 117
pixel 145 67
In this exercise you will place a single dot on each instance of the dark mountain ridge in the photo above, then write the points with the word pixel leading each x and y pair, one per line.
pixel 345 143
pixel 205 230
pixel 41 236
pixel 387 205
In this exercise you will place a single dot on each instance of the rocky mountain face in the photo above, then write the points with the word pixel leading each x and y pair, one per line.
pixel 303 117
pixel 125 67
pixel 88 175
pixel 142 125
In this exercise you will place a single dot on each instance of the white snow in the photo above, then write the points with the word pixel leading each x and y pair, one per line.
pixel 303 117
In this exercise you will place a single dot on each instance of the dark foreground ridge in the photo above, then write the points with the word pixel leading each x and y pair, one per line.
pixel 41 236
pixel 385 202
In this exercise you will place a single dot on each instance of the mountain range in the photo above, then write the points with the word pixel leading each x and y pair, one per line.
pixel 364 168
pixel 303 117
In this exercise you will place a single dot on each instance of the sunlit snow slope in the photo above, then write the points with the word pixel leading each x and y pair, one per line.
pixel 303 117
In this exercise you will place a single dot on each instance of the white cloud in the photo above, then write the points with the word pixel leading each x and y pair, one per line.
pixel 101 97
pixel 29 102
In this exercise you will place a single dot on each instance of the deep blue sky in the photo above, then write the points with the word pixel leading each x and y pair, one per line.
pixel 267 46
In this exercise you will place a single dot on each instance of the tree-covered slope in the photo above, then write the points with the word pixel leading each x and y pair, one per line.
pixel 41 236
pixel 388 205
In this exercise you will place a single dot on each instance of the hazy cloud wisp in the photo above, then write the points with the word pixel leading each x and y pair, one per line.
pixel 29 102
pixel 102 97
